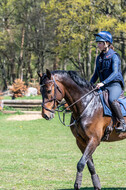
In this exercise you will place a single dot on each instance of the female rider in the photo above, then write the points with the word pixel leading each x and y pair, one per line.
pixel 108 70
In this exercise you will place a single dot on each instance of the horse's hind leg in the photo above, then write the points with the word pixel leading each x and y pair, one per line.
pixel 90 148
pixel 94 176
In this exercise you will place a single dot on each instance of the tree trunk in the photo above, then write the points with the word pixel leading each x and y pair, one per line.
pixel 64 64
pixel 3 75
pixel 42 62
pixel 55 63
pixel 88 62
pixel 13 72
pixel 123 57
pixel 20 64
pixel 29 66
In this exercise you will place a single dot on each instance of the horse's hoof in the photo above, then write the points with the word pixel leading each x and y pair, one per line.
pixel 96 182
pixel 76 186
pixel 78 181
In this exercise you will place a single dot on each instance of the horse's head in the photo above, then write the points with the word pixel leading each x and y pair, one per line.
pixel 52 94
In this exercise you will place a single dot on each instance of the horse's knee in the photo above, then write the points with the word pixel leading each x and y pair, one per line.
pixel 80 166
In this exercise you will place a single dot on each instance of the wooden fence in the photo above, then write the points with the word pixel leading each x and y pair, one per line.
pixel 22 103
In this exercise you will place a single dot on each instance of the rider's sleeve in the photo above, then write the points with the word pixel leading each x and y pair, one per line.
pixel 115 65
pixel 94 77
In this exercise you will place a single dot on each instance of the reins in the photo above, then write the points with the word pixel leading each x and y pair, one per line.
pixel 81 98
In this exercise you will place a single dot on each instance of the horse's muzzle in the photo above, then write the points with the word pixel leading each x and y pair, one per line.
pixel 51 116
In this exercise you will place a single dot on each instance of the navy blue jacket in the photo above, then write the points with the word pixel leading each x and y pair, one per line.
pixel 108 68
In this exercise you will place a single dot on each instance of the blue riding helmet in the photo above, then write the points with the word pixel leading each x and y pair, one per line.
pixel 104 36
pixel 99 39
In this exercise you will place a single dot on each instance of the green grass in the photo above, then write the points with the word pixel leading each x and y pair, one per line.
pixel 42 155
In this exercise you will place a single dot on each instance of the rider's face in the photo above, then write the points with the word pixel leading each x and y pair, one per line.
pixel 101 46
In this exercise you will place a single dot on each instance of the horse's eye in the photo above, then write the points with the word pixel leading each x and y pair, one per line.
pixel 48 91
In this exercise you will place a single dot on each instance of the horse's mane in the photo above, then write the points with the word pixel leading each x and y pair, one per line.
pixel 75 77
pixel 82 82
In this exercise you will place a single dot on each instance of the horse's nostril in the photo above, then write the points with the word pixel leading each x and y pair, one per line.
pixel 46 117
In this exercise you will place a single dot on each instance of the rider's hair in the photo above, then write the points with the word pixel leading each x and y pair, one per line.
pixel 111 46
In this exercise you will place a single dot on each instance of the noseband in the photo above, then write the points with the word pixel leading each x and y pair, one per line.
pixel 56 87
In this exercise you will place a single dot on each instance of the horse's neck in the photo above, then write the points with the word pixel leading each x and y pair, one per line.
pixel 72 90
pixel 73 93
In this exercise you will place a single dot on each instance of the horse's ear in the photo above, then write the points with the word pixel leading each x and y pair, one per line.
pixel 39 74
pixel 48 73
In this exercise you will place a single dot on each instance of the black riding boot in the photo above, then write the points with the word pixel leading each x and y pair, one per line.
pixel 117 111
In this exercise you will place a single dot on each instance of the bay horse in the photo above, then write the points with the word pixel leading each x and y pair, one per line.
pixel 90 124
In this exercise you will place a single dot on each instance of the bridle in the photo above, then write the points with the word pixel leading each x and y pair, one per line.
pixel 65 110
pixel 56 87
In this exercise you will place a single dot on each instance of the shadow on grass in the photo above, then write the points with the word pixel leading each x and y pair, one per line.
pixel 91 188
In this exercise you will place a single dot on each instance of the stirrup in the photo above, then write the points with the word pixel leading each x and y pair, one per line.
pixel 121 128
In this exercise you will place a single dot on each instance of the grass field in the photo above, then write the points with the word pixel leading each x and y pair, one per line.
pixel 42 155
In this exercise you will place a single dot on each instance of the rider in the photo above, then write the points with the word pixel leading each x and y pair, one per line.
pixel 108 70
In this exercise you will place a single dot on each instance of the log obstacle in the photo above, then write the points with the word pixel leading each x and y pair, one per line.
pixel 22 103
pixel 23 112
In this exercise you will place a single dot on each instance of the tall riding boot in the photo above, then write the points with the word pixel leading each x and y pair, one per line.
pixel 117 111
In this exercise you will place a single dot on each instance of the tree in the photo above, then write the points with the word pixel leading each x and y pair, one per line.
pixel 56 34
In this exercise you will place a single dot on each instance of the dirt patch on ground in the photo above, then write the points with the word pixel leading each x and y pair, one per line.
pixel 25 117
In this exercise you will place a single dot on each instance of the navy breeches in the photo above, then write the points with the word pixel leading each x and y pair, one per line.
pixel 114 91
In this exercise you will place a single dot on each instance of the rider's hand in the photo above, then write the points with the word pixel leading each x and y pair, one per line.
pixel 99 85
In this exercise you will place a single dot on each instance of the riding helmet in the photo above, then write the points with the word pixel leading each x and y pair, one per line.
pixel 104 36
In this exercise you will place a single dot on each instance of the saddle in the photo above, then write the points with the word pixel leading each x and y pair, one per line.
pixel 105 96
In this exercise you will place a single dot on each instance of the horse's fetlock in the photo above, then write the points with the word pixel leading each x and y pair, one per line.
pixel 96 182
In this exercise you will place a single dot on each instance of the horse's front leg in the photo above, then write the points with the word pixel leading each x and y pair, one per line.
pixel 94 176
pixel 90 148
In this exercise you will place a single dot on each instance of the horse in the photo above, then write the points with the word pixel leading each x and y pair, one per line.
pixel 87 111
